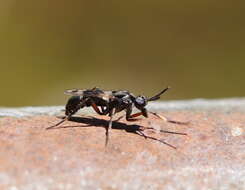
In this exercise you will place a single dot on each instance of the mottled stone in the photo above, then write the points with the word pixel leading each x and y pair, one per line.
pixel 73 156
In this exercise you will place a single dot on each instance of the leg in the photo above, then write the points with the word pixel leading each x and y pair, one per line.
pixel 155 139
pixel 109 126
pixel 102 109
pixel 128 113
pixel 173 132
pixel 96 109
pixel 169 120
pixel 163 131
pixel 69 114
pixel 62 121
pixel 129 116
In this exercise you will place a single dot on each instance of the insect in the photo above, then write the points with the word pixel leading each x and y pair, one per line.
pixel 110 103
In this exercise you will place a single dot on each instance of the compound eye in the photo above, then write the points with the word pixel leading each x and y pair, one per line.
pixel 140 100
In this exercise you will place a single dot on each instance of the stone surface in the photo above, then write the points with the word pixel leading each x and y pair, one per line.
pixel 73 156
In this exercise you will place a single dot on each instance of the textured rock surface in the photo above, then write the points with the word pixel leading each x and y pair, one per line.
pixel 73 156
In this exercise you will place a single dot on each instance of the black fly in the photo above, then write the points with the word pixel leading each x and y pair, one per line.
pixel 110 103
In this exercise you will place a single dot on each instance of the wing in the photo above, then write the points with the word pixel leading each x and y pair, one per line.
pixel 74 92
pixel 122 93
pixel 105 95
pixel 93 93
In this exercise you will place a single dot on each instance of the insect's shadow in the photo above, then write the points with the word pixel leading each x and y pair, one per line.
pixel 95 122
pixel 135 129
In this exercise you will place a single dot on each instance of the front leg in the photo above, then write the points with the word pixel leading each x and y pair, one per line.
pixel 130 117
pixel 128 113
pixel 170 120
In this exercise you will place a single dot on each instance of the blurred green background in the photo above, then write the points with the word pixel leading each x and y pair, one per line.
pixel 196 47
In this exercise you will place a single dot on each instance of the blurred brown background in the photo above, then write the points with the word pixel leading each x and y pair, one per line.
pixel 196 47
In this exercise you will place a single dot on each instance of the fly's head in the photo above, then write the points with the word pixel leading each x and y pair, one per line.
pixel 140 102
